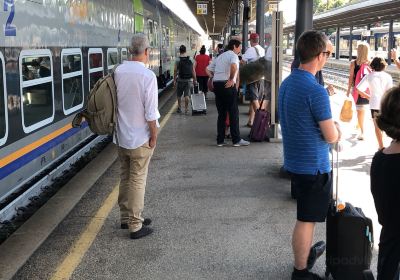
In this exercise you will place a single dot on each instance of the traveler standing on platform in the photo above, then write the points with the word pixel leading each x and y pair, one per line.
pixel 202 61
pixel 307 130
pixel 358 69
pixel 378 82
pixel 395 58
pixel 254 91
pixel 184 77
pixel 385 177
pixel 136 133
pixel 224 70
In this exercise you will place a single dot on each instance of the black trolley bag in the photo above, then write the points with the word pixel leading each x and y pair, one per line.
pixel 349 239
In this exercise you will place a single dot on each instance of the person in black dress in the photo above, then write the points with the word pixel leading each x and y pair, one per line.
pixel 385 186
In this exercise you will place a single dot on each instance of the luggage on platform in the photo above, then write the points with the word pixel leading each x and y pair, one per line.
pixel 260 125
pixel 199 105
pixel 349 239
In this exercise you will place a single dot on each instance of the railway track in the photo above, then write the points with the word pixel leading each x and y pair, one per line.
pixel 23 203
pixel 337 75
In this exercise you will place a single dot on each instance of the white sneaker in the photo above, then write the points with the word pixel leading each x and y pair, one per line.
pixel 241 143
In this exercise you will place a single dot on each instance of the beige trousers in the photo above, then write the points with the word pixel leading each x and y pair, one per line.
pixel 134 168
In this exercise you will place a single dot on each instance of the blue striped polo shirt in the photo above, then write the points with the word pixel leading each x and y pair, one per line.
pixel 302 104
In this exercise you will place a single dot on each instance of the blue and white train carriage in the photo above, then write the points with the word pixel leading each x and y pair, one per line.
pixel 51 53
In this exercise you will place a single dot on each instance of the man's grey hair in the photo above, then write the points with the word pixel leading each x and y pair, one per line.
pixel 139 43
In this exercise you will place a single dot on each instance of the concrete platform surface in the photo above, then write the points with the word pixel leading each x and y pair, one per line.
pixel 218 213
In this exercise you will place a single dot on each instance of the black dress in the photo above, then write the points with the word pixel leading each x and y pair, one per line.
pixel 385 188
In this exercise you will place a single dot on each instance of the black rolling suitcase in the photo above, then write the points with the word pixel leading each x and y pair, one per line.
pixel 349 240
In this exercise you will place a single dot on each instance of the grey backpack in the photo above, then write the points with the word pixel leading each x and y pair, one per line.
pixel 101 108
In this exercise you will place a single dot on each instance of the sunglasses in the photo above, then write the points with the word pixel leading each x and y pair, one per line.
pixel 327 53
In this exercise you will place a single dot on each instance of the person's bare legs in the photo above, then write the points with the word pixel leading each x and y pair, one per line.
pixel 186 104
pixel 254 105
pixel 360 118
pixel 302 239
pixel 378 134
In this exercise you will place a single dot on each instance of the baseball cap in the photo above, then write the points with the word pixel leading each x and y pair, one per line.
pixel 254 36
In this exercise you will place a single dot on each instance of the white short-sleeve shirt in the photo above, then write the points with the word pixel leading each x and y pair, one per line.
pixel 137 95
pixel 251 53
pixel 221 66
pixel 377 83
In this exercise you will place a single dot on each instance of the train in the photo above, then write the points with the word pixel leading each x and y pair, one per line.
pixel 377 37
pixel 52 52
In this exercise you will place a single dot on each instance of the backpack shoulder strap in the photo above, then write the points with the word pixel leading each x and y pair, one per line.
pixel 257 51
pixel 114 91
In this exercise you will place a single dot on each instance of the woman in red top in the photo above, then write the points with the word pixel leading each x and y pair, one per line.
pixel 202 61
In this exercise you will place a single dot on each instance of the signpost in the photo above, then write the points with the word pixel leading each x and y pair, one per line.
pixel 236 30
pixel 201 9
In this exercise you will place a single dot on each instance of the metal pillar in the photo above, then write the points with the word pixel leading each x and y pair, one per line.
pixel 246 16
pixel 237 12
pixel 304 18
pixel 369 37
pixel 351 43
pixel 390 42
pixel 260 20
pixel 337 43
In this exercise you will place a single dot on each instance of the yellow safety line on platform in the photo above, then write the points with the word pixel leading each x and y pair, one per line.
pixel 82 245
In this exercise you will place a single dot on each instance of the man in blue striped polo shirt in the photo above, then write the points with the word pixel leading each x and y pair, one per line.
pixel 307 130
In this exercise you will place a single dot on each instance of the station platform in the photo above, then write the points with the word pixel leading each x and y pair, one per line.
pixel 218 212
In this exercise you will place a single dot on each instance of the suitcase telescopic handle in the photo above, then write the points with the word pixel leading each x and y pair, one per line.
pixel 336 198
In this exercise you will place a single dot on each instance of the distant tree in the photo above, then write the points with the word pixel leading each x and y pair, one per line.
pixel 321 6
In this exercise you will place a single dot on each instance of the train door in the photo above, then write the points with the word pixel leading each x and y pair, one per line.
pixel 3 103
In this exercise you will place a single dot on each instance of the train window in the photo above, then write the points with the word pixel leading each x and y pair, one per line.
pixel 156 34
pixel 150 32
pixel 3 103
pixel 112 58
pixel 37 88
pixel 95 66
pixel 72 80
pixel 124 54
pixel 167 37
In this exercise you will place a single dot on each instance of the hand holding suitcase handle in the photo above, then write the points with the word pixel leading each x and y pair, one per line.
pixel 336 198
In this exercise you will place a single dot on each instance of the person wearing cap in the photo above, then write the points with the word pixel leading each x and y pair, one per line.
pixel 255 90
pixel 184 77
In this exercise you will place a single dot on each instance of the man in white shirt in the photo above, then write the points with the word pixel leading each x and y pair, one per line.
pixel 224 70
pixel 254 91
pixel 138 115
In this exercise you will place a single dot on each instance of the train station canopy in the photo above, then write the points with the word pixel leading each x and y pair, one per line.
pixel 358 14
pixel 219 13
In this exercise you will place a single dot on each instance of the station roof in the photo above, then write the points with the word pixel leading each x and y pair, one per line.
pixel 357 14
pixel 219 11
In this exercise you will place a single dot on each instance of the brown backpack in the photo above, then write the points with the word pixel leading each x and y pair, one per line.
pixel 101 108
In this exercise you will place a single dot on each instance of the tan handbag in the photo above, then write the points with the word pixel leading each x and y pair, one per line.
pixel 346 114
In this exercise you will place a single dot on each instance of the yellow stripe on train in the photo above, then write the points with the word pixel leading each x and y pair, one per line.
pixel 21 152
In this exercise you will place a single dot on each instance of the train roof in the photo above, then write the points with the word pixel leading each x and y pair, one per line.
pixel 361 13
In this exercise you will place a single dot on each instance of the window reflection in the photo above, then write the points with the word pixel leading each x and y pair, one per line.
pixel 95 60
pixel 37 103
pixel 72 63
pixel 73 92
pixel 35 68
